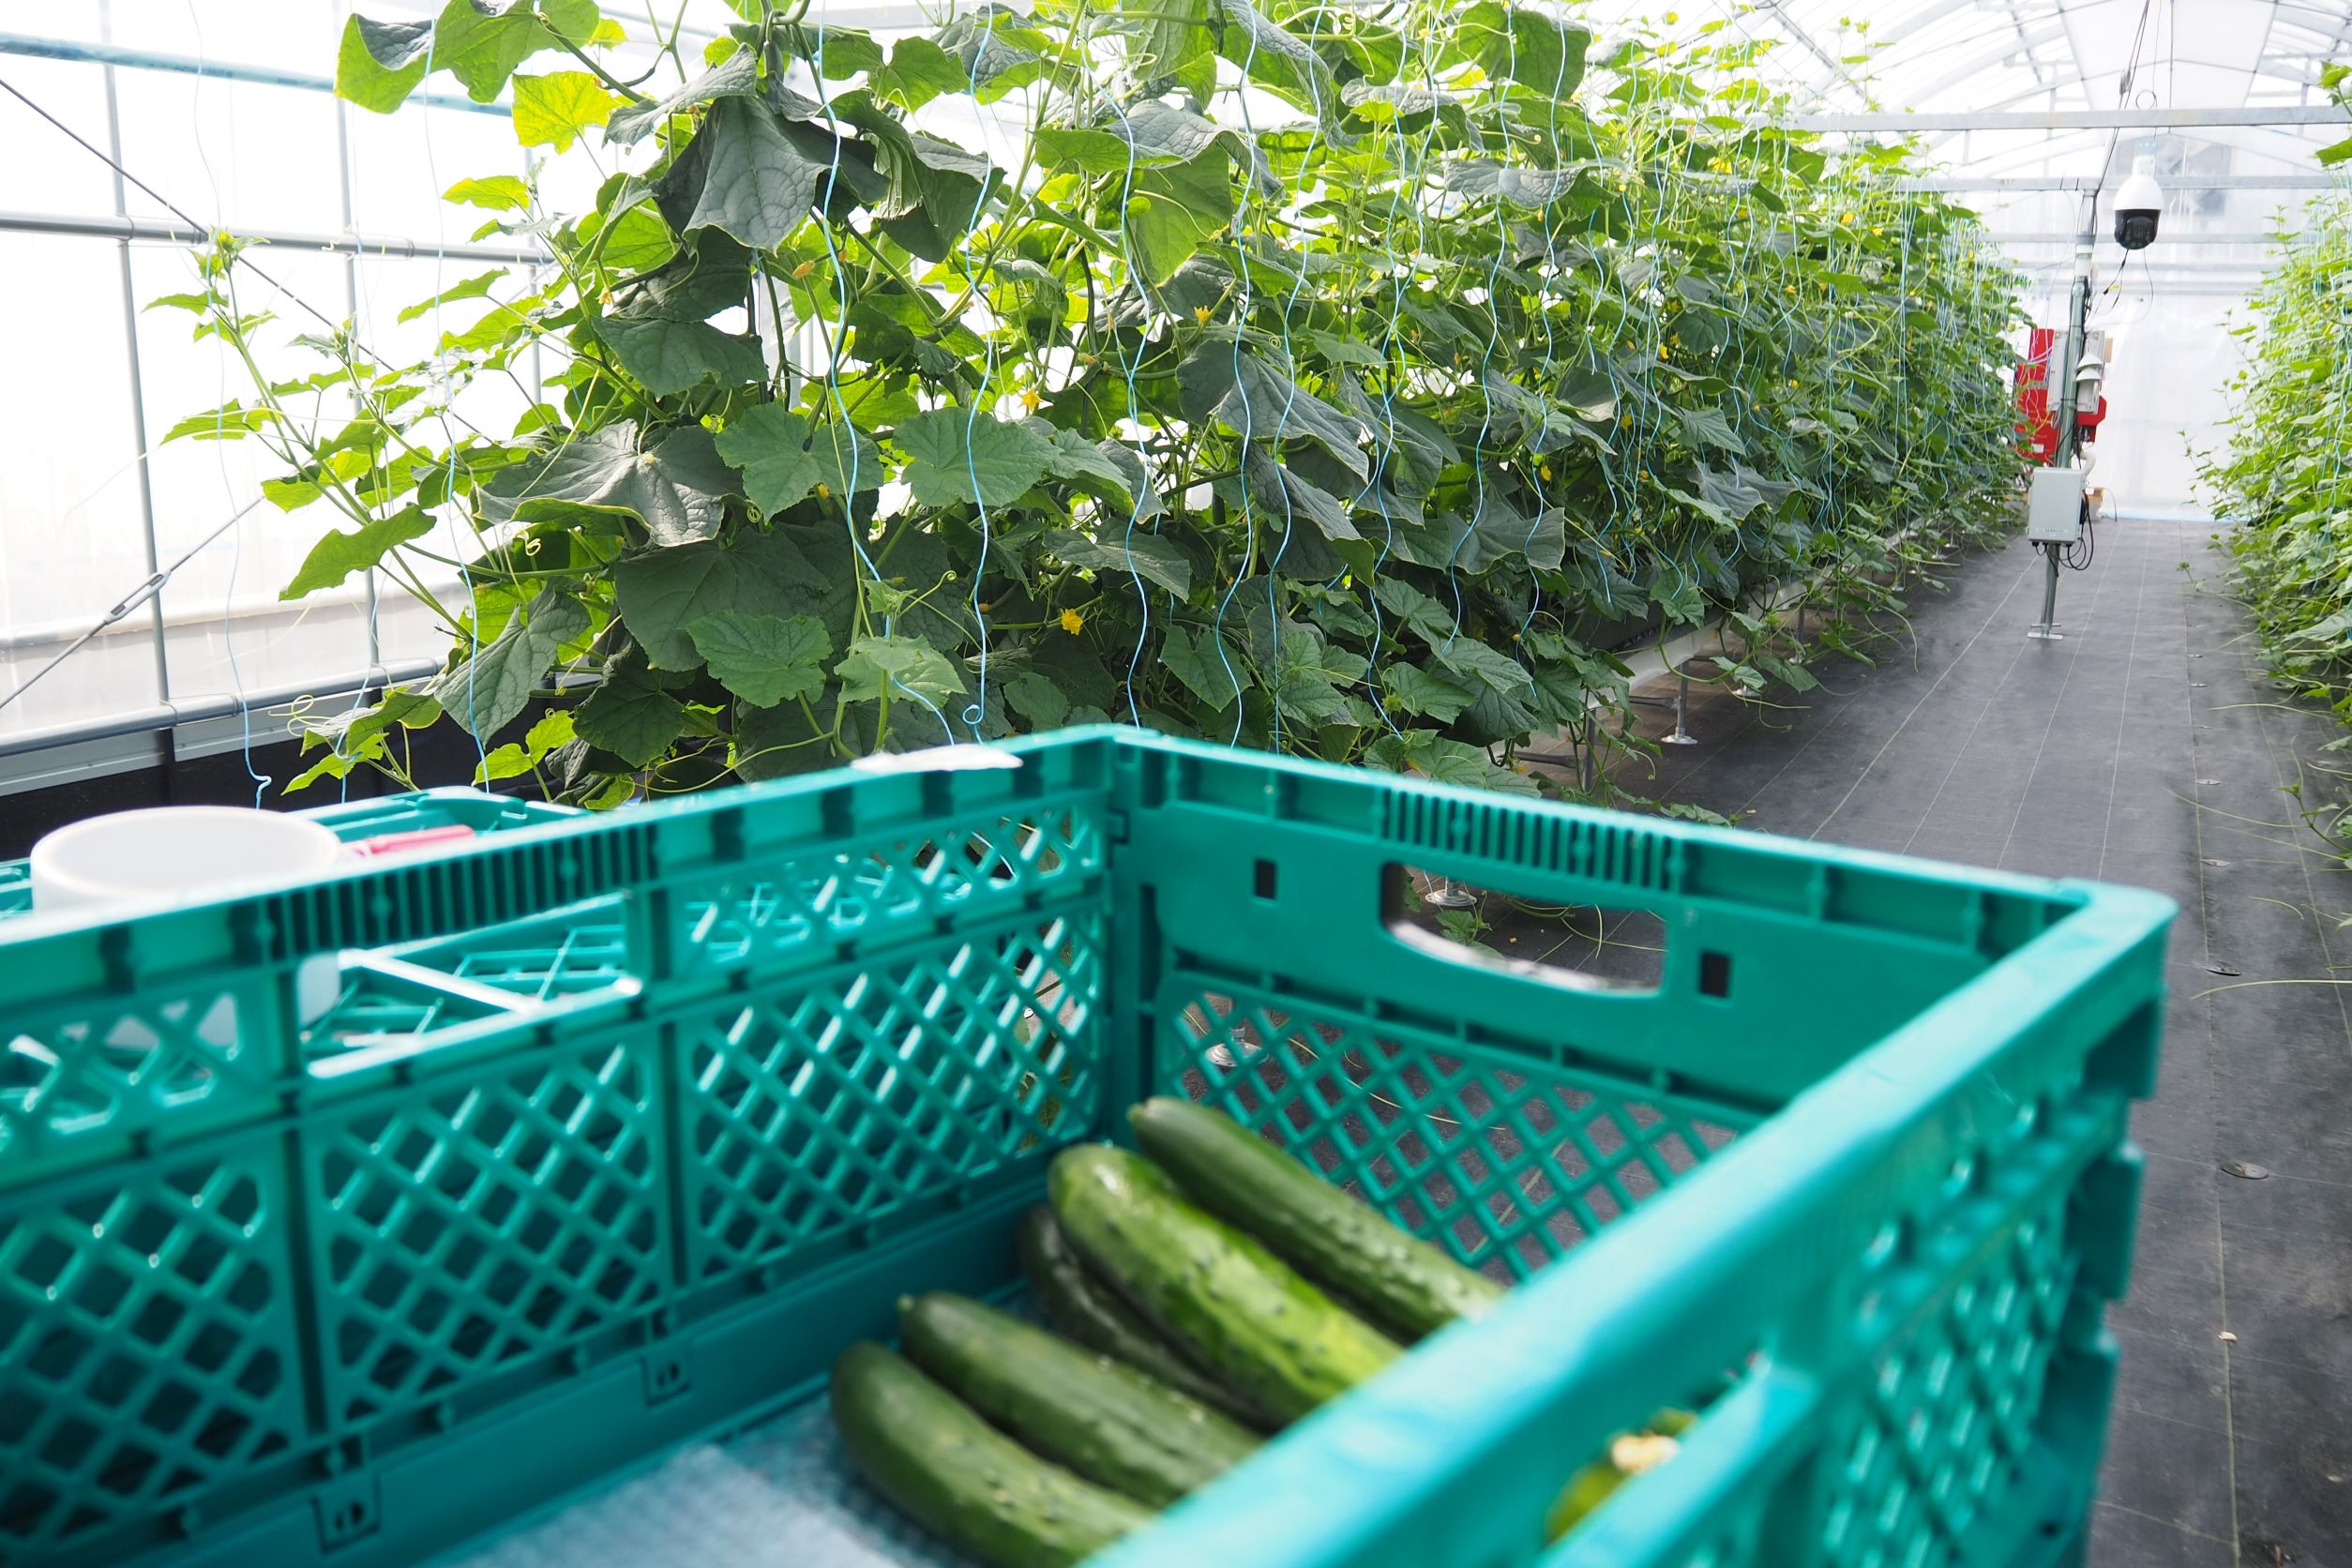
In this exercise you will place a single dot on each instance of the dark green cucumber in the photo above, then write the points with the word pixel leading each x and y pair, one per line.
pixel 1234 1307
pixel 1083 1309
pixel 1106 1421
pixel 1402 1284
pixel 960 1478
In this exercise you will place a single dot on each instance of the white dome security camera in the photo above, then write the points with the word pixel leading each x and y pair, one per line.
pixel 2137 205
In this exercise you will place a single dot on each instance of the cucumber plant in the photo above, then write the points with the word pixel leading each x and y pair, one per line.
pixel 1344 380
pixel 2283 477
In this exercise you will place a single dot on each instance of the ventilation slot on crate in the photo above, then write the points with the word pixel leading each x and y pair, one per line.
pixel 16 888
pixel 772 908
pixel 124 1067
pixel 1949 1423
pixel 476 889
pixel 1624 855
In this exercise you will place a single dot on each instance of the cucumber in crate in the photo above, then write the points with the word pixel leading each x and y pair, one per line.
pixel 1201 1251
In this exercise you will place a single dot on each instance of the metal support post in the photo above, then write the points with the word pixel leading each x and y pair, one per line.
pixel 138 381
pixel 351 304
pixel 1682 735
pixel 2077 317
pixel 2046 630
pixel 1681 706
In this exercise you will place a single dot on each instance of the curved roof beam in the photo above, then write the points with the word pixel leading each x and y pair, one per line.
pixel 2292 153
pixel 1977 64
pixel 1925 17
pixel 1834 69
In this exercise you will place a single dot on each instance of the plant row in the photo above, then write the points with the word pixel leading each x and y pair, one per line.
pixel 1348 380
pixel 2285 478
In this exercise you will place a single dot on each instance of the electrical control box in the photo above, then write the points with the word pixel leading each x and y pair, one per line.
pixel 2054 510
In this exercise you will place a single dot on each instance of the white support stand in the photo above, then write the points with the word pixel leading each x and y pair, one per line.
pixel 1682 735
pixel 1443 895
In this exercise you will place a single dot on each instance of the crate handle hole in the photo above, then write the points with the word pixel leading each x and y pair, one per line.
pixel 1264 879
pixel 1583 947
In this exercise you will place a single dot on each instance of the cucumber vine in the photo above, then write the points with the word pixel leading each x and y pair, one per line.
pixel 1347 380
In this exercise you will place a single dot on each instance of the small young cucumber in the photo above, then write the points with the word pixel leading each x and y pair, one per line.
pixel 1237 1308
pixel 963 1480
pixel 1629 1453
pixel 1402 1284
pixel 1107 1421
pixel 1084 1309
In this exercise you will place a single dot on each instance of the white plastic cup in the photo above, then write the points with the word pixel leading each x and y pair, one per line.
pixel 173 851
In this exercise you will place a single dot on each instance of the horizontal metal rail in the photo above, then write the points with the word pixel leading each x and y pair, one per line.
pixel 170 231
pixel 2095 182
pixel 2069 238
pixel 269 76
pixel 2250 268
pixel 163 716
pixel 2077 119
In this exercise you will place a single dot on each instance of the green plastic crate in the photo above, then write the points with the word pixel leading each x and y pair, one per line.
pixel 376 1217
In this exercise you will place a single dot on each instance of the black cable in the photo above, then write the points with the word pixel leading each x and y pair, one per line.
pixel 155 583
pixel 350 329
pixel 2122 100
pixel 146 590
pixel 2131 69
pixel 167 203
pixel 2079 555
pixel 2125 266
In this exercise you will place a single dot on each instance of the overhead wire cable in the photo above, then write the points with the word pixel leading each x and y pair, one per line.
pixel 1243 304
pixel 1289 373
pixel 1128 370
pixel 975 715
pixel 260 780
pixel 148 587
pixel 238 257
pixel 834 353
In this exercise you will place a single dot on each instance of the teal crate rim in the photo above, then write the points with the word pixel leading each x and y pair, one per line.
pixel 512 843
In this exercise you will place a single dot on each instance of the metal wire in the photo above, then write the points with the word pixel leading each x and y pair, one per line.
pixel 146 590
pixel 168 205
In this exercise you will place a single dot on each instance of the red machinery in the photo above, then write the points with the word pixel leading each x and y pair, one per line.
pixel 2037 429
